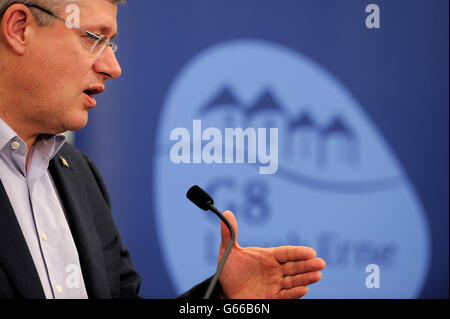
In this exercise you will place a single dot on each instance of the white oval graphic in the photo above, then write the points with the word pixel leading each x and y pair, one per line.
pixel 338 187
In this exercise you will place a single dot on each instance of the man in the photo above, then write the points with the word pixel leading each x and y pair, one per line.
pixel 58 237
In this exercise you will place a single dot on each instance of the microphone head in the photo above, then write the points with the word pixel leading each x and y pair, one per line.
pixel 199 197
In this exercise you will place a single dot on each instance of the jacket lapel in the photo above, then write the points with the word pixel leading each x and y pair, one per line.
pixel 81 223
pixel 15 257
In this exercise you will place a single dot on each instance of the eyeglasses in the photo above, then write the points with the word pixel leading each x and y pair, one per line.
pixel 98 42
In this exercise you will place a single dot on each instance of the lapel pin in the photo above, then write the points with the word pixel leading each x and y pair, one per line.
pixel 63 161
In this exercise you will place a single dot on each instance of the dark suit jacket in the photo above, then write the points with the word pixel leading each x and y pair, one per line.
pixel 105 262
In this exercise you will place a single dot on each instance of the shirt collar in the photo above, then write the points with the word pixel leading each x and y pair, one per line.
pixel 52 142
pixel 6 134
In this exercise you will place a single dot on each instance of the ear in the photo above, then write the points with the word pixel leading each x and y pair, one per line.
pixel 16 27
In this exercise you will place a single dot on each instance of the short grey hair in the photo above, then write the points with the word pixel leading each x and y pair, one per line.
pixel 52 5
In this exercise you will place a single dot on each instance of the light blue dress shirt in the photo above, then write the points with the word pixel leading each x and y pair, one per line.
pixel 40 214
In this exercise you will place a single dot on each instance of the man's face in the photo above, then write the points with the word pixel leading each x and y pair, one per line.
pixel 58 69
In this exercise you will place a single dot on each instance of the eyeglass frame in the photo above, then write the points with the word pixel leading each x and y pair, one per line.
pixel 94 36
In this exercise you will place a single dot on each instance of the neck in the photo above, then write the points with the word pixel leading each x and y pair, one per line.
pixel 14 111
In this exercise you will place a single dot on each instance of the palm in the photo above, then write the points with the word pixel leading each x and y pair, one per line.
pixel 279 272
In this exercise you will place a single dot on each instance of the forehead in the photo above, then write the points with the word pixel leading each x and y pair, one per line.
pixel 98 16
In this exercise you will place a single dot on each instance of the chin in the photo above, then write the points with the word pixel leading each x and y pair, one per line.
pixel 76 124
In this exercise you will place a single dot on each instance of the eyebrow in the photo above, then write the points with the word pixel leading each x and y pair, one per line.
pixel 103 30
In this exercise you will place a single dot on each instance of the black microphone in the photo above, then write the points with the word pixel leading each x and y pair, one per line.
pixel 202 199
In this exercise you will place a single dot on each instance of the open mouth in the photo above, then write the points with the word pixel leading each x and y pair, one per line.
pixel 93 91
pixel 89 93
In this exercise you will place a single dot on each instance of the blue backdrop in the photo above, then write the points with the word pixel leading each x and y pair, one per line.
pixel 362 119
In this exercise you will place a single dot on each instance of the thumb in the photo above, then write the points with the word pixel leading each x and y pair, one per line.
pixel 226 235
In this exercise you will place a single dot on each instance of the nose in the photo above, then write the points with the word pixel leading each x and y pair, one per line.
pixel 107 64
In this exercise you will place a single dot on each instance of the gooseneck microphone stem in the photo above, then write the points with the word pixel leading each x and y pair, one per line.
pixel 202 199
pixel 225 255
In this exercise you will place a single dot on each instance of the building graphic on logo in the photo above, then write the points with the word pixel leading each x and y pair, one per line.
pixel 339 187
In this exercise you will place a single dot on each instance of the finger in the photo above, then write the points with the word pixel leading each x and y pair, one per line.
pixel 292 268
pixel 225 233
pixel 293 253
pixel 294 293
pixel 305 279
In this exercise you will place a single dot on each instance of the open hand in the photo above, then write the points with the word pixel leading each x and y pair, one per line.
pixel 267 273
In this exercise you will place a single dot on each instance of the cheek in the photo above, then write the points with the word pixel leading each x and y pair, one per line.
pixel 55 77
pixel 64 58
pixel 64 75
